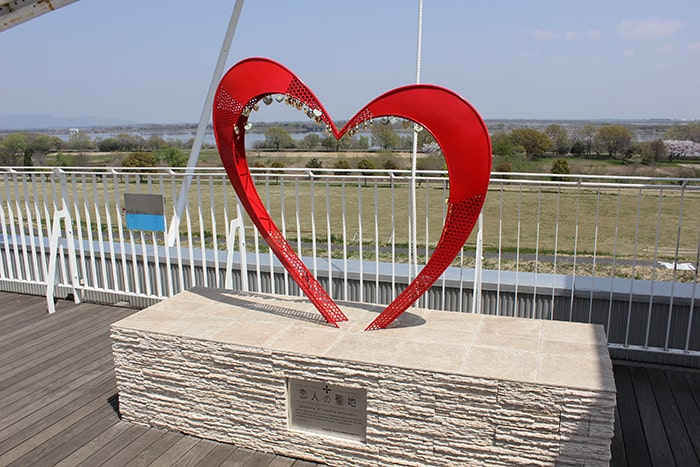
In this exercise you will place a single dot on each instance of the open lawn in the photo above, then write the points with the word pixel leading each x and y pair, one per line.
pixel 626 223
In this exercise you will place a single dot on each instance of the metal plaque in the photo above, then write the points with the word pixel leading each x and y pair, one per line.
pixel 327 409
pixel 144 211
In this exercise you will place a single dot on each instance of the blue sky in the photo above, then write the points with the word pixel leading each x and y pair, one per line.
pixel 152 61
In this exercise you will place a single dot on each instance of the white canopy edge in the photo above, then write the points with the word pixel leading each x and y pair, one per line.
pixel 14 12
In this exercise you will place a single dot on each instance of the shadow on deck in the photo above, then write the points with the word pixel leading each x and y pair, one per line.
pixel 58 401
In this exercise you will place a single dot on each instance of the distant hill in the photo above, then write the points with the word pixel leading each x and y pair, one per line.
pixel 43 121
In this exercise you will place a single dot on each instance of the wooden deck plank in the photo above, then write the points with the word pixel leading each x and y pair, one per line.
pixel 57 384
pixel 636 452
pixel 46 335
pixel 676 432
pixel 63 443
pixel 14 310
pixel 686 389
pixel 37 325
pixel 179 449
pixel 46 386
pixel 60 342
pixel 218 455
pixel 617 446
pixel 654 431
pixel 26 429
pixel 134 449
pixel 693 381
pixel 301 463
pixel 83 330
pixel 68 395
pixel 147 456
pixel 196 454
pixel 260 459
pixel 83 449
pixel 280 461
pixel 116 445
pixel 42 370
pixel 239 457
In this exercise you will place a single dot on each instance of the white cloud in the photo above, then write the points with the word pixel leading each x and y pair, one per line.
pixel 662 66
pixel 667 49
pixel 545 34
pixel 629 53
pixel 695 46
pixel 549 34
pixel 529 54
pixel 653 28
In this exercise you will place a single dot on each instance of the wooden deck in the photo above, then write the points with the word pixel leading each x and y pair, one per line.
pixel 58 396
pixel 58 401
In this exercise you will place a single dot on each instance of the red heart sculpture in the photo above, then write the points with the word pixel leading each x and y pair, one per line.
pixel 452 121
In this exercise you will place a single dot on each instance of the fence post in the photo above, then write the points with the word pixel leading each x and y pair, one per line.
pixel 62 214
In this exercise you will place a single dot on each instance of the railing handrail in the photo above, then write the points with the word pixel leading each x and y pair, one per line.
pixel 339 172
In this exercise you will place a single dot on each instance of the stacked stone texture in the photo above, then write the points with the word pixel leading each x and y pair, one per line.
pixel 237 394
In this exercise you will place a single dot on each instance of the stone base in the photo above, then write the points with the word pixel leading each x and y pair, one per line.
pixel 441 388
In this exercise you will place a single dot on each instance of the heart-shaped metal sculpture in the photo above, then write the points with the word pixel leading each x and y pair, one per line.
pixel 452 121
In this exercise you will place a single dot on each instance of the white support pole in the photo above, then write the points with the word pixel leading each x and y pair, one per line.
pixel 414 159
pixel 478 265
pixel 203 122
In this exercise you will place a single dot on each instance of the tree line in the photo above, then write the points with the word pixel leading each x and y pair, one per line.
pixel 379 136
pixel 30 148
pixel 605 141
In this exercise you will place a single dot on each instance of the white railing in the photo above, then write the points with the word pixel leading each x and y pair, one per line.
pixel 619 251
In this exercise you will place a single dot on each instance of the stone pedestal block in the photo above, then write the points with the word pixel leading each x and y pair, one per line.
pixel 437 388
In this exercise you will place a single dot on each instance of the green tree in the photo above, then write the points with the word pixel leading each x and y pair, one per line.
pixel 503 167
pixel 559 137
pixel 388 161
pixel 368 165
pixel 155 142
pixel 80 142
pixel 171 156
pixel 534 142
pixel 27 160
pixel 614 139
pixel 41 144
pixel 362 142
pixel 277 168
pixel 313 163
pixel 578 149
pixel 341 167
pixel 278 138
pixel 659 151
pixel 586 135
pixel 649 152
pixel 310 142
pixel 502 144
pixel 108 145
pixel 139 159
pixel 560 166
pixel 329 143
pixel 684 132
pixel 384 137
pixel 64 160
pixel 365 164
pixel 12 147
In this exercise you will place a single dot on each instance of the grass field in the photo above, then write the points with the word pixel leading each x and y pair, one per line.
pixel 625 223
